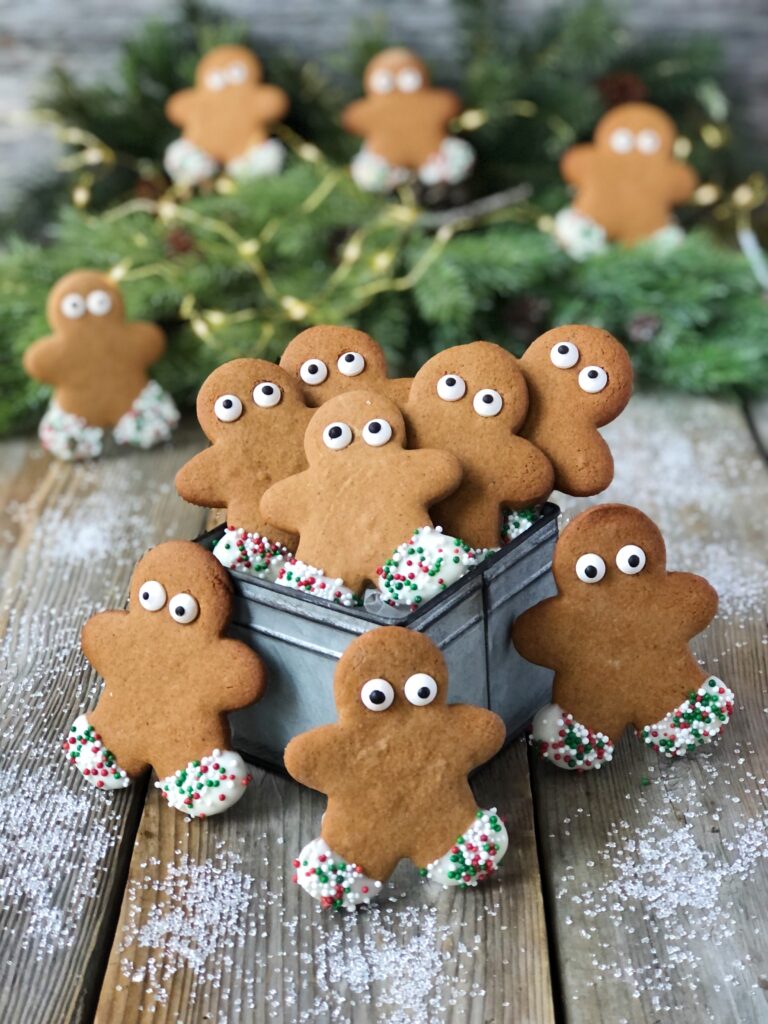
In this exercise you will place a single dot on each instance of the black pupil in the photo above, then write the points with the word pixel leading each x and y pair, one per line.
pixel 592 374
pixel 227 403
pixel 591 571
pixel 267 389
pixel 180 610
pixel 350 357
pixel 313 368
pixel 450 382
pixel 424 692
pixel 374 427
pixel 562 349
pixel 145 595
pixel 634 561
pixel 333 433
pixel 487 399
pixel 377 697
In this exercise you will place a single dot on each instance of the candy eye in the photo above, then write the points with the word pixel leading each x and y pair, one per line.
pixel 590 568
pixel 377 694
pixel 593 379
pixel 487 402
pixel 451 388
pixel 72 306
pixel 152 595
pixel 313 371
pixel 228 408
pixel 630 559
pixel 381 82
pixel 564 355
pixel 216 80
pixel 237 74
pixel 420 689
pixel 183 608
pixel 266 395
pixel 622 140
pixel 351 364
pixel 99 303
pixel 648 141
pixel 409 80
pixel 337 436
pixel 377 432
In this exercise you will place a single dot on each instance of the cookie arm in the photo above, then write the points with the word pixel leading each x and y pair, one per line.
pixel 531 478
pixel 104 640
pixel 147 341
pixel 478 734
pixel 313 758
pixel 354 118
pixel 270 103
pixel 575 163
pixel 537 631
pixel 683 180
pixel 198 480
pixel 692 598
pixel 283 504
pixel 179 106
pixel 447 102
pixel 439 474
pixel 45 360
pixel 242 679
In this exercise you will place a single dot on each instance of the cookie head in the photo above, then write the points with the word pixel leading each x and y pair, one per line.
pixel 361 425
pixel 471 388
pixel 328 360
pixel 84 300
pixel 580 367
pixel 180 591
pixel 227 68
pixel 395 71
pixel 636 130
pixel 244 396
pixel 608 553
pixel 389 675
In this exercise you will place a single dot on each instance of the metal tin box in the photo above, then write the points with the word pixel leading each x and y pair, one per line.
pixel 301 637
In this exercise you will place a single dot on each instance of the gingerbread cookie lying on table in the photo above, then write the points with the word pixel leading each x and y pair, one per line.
pixel 617 636
pixel 471 400
pixel 329 360
pixel 627 181
pixel 404 122
pixel 394 768
pixel 579 378
pixel 254 415
pixel 170 677
pixel 97 361
pixel 363 492
pixel 225 120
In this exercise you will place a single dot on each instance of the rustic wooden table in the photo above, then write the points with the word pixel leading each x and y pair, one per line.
pixel 636 894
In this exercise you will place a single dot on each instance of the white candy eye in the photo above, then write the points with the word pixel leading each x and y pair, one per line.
pixel 215 80
pixel 409 80
pixel 377 694
pixel 313 371
pixel 622 141
pixel 99 303
pixel 648 141
pixel 592 379
pixel 420 689
pixel 590 568
pixel 337 436
pixel 377 432
pixel 266 395
pixel 487 402
pixel 381 81
pixel 630 559
pixel 73 306
pixel 564 355
pixel 351 364
pixel 183 608
pixel 152 595
pixel 451 387
pixel 237 74
pixel 228 408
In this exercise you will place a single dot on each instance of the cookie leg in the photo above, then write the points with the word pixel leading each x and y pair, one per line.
pixel 97 764
pixel 260 161
pixel 562 740
pixel 187 165
pixel 698 720
pixel 373 173
pixel 474 856
pixel 69 437
pixel 579 236
pixel 451 164
pixel 208 786
pixel 332 880
pixel 251 553
pixel 151 419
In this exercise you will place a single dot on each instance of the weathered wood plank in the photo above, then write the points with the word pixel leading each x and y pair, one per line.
pixel 72 535
pixel 212 928
pixel 657 871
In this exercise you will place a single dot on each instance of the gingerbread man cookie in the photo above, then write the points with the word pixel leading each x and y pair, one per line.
pixel 404 122
pixel 254 415
pixel 579 378
pixel 395 769
pixel 97 362
pixel 363 492
pixel 225 120
pixel 170 677
pixel 328 360
pixel 627 180
pixel 471 400
pixel 617 637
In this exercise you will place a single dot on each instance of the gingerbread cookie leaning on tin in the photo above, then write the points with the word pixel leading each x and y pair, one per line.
pixel 170 677
pixel 96 361
pixel 363 493
pixel 471 400
pixel 579 378
pixel 394 768
pixel 617 636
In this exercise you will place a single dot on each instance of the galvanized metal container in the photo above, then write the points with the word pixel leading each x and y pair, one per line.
pixel 301 637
